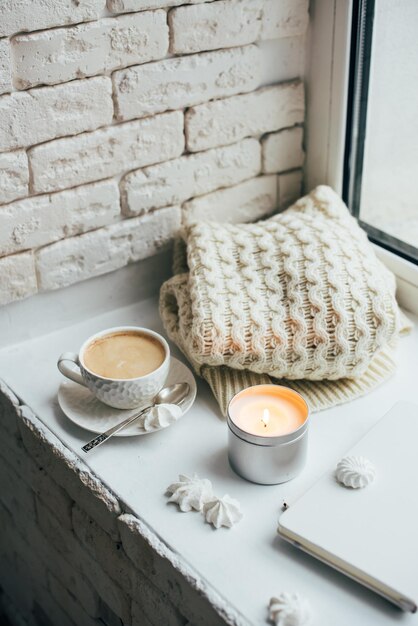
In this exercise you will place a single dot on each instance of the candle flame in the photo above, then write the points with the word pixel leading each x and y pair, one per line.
pixel 266 417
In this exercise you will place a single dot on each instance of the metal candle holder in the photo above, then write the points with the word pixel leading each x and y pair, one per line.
pixel 267 460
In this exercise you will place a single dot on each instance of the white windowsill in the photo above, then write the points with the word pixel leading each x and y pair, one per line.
pixel 249 563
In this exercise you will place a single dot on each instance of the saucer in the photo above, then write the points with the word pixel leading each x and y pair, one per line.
pixel 82 407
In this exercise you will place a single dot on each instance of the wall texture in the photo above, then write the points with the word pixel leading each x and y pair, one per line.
pixel 70 556
pixel 117 122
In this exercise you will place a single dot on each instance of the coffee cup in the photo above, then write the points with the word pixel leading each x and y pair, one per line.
pixel 123 367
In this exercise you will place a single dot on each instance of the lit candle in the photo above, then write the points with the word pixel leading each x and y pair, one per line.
pixel 267 433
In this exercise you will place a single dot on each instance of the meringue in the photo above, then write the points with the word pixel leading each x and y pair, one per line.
pixel 289 609
pixel 190 493
pixel 355 472
pixel 222 511
pixel 161 416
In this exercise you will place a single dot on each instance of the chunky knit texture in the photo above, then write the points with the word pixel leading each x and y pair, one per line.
pixel 299 297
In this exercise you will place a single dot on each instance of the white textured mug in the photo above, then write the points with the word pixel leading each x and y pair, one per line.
pixel 119 393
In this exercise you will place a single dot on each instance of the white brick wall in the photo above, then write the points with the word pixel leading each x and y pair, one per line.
pixel 119 118
pixel 249 201
pixel 213 25
pixel 231 119
pixel 183 81
pixel 91 156
pixel 21 15
pixel 81 105
pixel 5 66
pixel 14 175
pixel 62 54
pixel 36 221
pixel 178 180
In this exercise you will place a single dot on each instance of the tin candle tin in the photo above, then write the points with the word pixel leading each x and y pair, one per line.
pixel 267 433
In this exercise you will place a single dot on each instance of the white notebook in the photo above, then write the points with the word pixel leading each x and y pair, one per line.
pixel 369 534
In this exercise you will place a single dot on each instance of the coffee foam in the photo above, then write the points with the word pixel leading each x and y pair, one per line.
pixel 124 355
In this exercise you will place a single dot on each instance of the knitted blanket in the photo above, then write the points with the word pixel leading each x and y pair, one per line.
pixel 300 299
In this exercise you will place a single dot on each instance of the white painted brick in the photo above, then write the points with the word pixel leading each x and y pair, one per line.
pixel 17 277
pixel 43 219
pixel 69 471
pixel 183 81
pixel 169 573
pixel 290 188
pixel 104 551
pixel 58 55
pixel 68 603
pixel 178 180
pixel 91 156
pixel 221 24
pixel 77 556
pixel 21 15
pixel 284 18
pixel 283 151
pixel 64 567
pixel 17 497
pixel 247 202
pixel 229 120
pixel 71 260
pixel 126 6
pixel 44 487
pixel 8 410
pixel 14 176
pixel 5 66
pixel 27 118
pixel 147 608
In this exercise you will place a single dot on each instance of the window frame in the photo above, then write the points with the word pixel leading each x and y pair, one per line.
pixel 327 83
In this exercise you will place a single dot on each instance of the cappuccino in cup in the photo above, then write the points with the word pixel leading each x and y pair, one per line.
pixel 124 355
pixel 123 367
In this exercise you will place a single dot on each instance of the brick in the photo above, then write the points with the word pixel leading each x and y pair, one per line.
pixel 284 18
pixel 106 552
pixel 172 576
pixel 68 603
pixel 107 249
pixel 17 277
pixel 14 176
pixel 20 15
pixel 43 486
pixel 184 81
pixel 178 180
pixel 5 65
pixel 150 607
pixel 43 219
pixel 126 6
pixel 41 114
pixel 10 610
pixel 9 404
pixel 213 25
pixel 69 471
pixel 62 54
pixel 290 188
pixel 91 156
pixel 45 604
pixel 73 552
pixel 283 151
pixel 66 568
pixel 247 202
pixel 17 497
pixel 227 121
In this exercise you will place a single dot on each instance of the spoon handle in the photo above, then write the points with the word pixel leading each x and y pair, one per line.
pixel 97 441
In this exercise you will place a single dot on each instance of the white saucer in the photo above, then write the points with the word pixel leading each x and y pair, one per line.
pixel 83 409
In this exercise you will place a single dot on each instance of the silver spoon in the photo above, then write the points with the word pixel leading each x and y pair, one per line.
pixel 174 394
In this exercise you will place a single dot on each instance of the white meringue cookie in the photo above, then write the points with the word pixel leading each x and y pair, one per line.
pixel 289 609
pixel 222 511
pixel 161 416
pixel 190 493
pixel 355 472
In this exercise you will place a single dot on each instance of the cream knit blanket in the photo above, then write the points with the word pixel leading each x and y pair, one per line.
pixel 300 298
